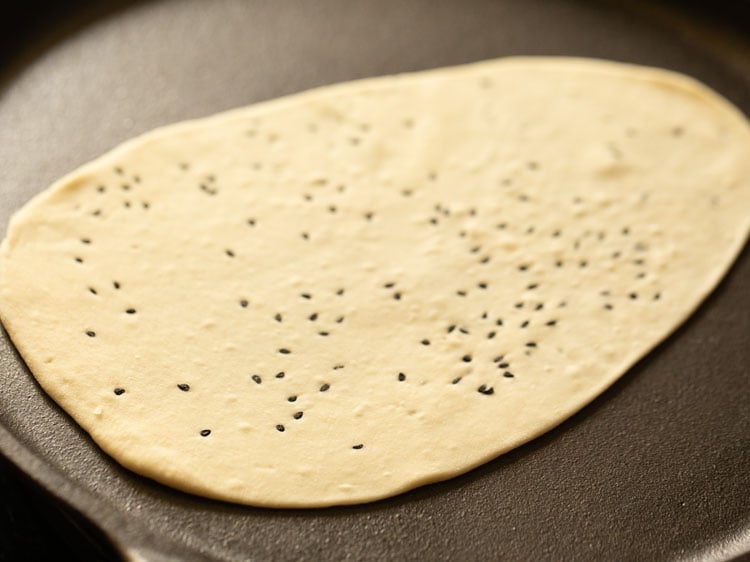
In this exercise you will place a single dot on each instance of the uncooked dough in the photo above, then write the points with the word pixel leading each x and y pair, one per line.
pixel 341 295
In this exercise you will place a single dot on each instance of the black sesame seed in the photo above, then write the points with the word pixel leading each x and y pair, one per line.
pixel 91 334
pixel 244 303
pixel 463 330
pixel 503 365
pixel 583 263
pixel 530 344
pixel 339 320
pixel 257 379
pixel 425 342
pixel 633 296
pixel 482 285
pixel 79 260
pixel 101 189
pixel 337 367
pixel 292 399
pixel 491 335
pixel 305 236
pixel 539 306
pixel 389 285
pixel 284 351
pixel 313 317
pixel 277 317
pixel 325 387
pixel 230 253
pixel 524 324
pixel 558 263
pixel 461 293
pixel 307 296
pixel 323 333
pixel 297 415
pixel 359 446
pixel 280 375
pixel 484 389
pixel 130 311
pixel 508 375
pixel 499 322
pixel 119 391
pixel 523 267
pixel 85 241
pixel 280 428
pixel 484 315
pixel 116 284
pixel 184 387
pixel 657 296
pixel 93 291
pixel 451 328
pixel 340 292
pixel 551 322
pixel 332 208
pixel 466 358
pixel 608 306
pixel 401 377
pixel 532 286
pixel 518 305
pixel 475 249
pixel 397 296
pixel 484 260
pixel 205 432
pixel 251 222
pixel 456 380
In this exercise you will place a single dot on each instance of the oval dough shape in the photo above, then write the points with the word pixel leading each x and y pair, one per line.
pixel 344 294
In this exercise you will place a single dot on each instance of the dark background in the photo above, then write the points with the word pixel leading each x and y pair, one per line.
pixel 33 526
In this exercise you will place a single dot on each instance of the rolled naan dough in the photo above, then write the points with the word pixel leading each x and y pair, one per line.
pixel 344 294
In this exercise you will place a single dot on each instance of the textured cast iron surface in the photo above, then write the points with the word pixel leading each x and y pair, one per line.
pixel 656 468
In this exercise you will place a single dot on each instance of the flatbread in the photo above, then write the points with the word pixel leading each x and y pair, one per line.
pixel 341 295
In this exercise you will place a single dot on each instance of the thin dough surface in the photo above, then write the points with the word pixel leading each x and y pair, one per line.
pixel 341 295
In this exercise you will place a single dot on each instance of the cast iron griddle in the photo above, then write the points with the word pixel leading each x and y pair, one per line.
pixel 656 468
